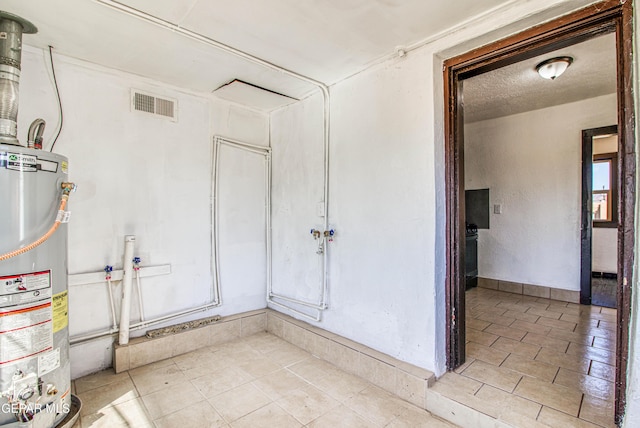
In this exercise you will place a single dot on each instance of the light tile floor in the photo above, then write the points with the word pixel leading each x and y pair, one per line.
pixel 257 381
pixel 531 362
pixel 536 362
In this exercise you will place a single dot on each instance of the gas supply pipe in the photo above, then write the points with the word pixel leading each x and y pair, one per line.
pixel 66 189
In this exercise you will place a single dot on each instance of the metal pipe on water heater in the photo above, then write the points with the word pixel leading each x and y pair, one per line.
pixel 11 29
pixel 127 282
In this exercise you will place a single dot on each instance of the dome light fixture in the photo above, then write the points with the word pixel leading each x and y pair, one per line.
pixel 553 67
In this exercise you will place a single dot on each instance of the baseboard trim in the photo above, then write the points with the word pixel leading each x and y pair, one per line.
pixel 530 290
pixel 406 381
pixel 142 350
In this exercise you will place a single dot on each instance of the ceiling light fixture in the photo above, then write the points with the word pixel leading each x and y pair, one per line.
pixel 553 67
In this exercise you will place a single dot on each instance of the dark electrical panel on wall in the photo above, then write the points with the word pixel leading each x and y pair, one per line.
pixel 477 208
pixel 476 217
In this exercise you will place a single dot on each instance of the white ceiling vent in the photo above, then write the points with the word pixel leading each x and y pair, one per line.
pixel 149 103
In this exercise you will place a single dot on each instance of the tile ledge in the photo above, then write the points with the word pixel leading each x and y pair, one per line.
pixel 121 352
pixel 403 366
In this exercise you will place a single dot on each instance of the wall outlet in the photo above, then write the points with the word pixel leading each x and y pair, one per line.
pixel 497 208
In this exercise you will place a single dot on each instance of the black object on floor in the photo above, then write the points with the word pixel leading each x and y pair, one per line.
pixel 471 256
pixel 603 292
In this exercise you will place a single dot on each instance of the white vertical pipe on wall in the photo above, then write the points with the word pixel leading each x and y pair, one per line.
pixel 215 258
pixel 113 306
pixel 127 281
pixel 327 106
pixel 250 148
pixel 324 287
pixel 267 184
pixel 139 291
pixel 325 273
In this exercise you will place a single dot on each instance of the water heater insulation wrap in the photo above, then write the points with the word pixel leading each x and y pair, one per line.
pixel 34 333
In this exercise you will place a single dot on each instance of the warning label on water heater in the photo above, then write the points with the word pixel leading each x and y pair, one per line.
pixel 25 332
pixel 48 362
pixel 25 282
pixel 60 311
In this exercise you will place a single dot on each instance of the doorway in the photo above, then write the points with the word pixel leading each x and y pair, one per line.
pixel 599 212
pixel 607 17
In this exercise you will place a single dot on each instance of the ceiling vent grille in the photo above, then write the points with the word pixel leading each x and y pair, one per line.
pixel 148 103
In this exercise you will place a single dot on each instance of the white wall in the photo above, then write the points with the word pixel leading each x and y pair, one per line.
pixel 381 166
pixel 241 227
pixel 297 189
pixel 605 145
pixel 381 261
pixel 531 162
pixel 136 174
pixel 604 243
pixel 386 196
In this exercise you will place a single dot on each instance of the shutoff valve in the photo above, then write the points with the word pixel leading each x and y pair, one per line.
pixel 322 237
pixel 107 271
pixel 68 188
pixel 329 234
pixel 136 263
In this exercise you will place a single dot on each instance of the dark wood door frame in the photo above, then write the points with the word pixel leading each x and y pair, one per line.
pixel 601 18
pixel 586 223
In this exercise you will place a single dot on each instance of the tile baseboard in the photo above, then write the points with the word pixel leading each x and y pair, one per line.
pixel 402 379
pixel 407 381
pixel 530 290
pixel 142 350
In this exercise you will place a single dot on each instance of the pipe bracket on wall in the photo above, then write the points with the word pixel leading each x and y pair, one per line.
pixel 116 275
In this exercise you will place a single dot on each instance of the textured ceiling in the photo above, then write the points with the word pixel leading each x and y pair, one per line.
pixel 326 40
pixel 518 87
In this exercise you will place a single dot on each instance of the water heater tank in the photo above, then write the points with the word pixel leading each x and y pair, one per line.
pixel 35 374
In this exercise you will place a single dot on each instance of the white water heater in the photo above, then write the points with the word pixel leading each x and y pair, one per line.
pixel 35 376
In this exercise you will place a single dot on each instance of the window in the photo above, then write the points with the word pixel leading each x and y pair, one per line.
pixel 604 176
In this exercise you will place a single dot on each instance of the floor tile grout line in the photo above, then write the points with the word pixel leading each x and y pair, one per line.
pixel 516 387
pixel 251 412
pixel 539 411
pixel 221 415
pixel 580 406
pixel 553 381
pixel 100 386
pixel 144 405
